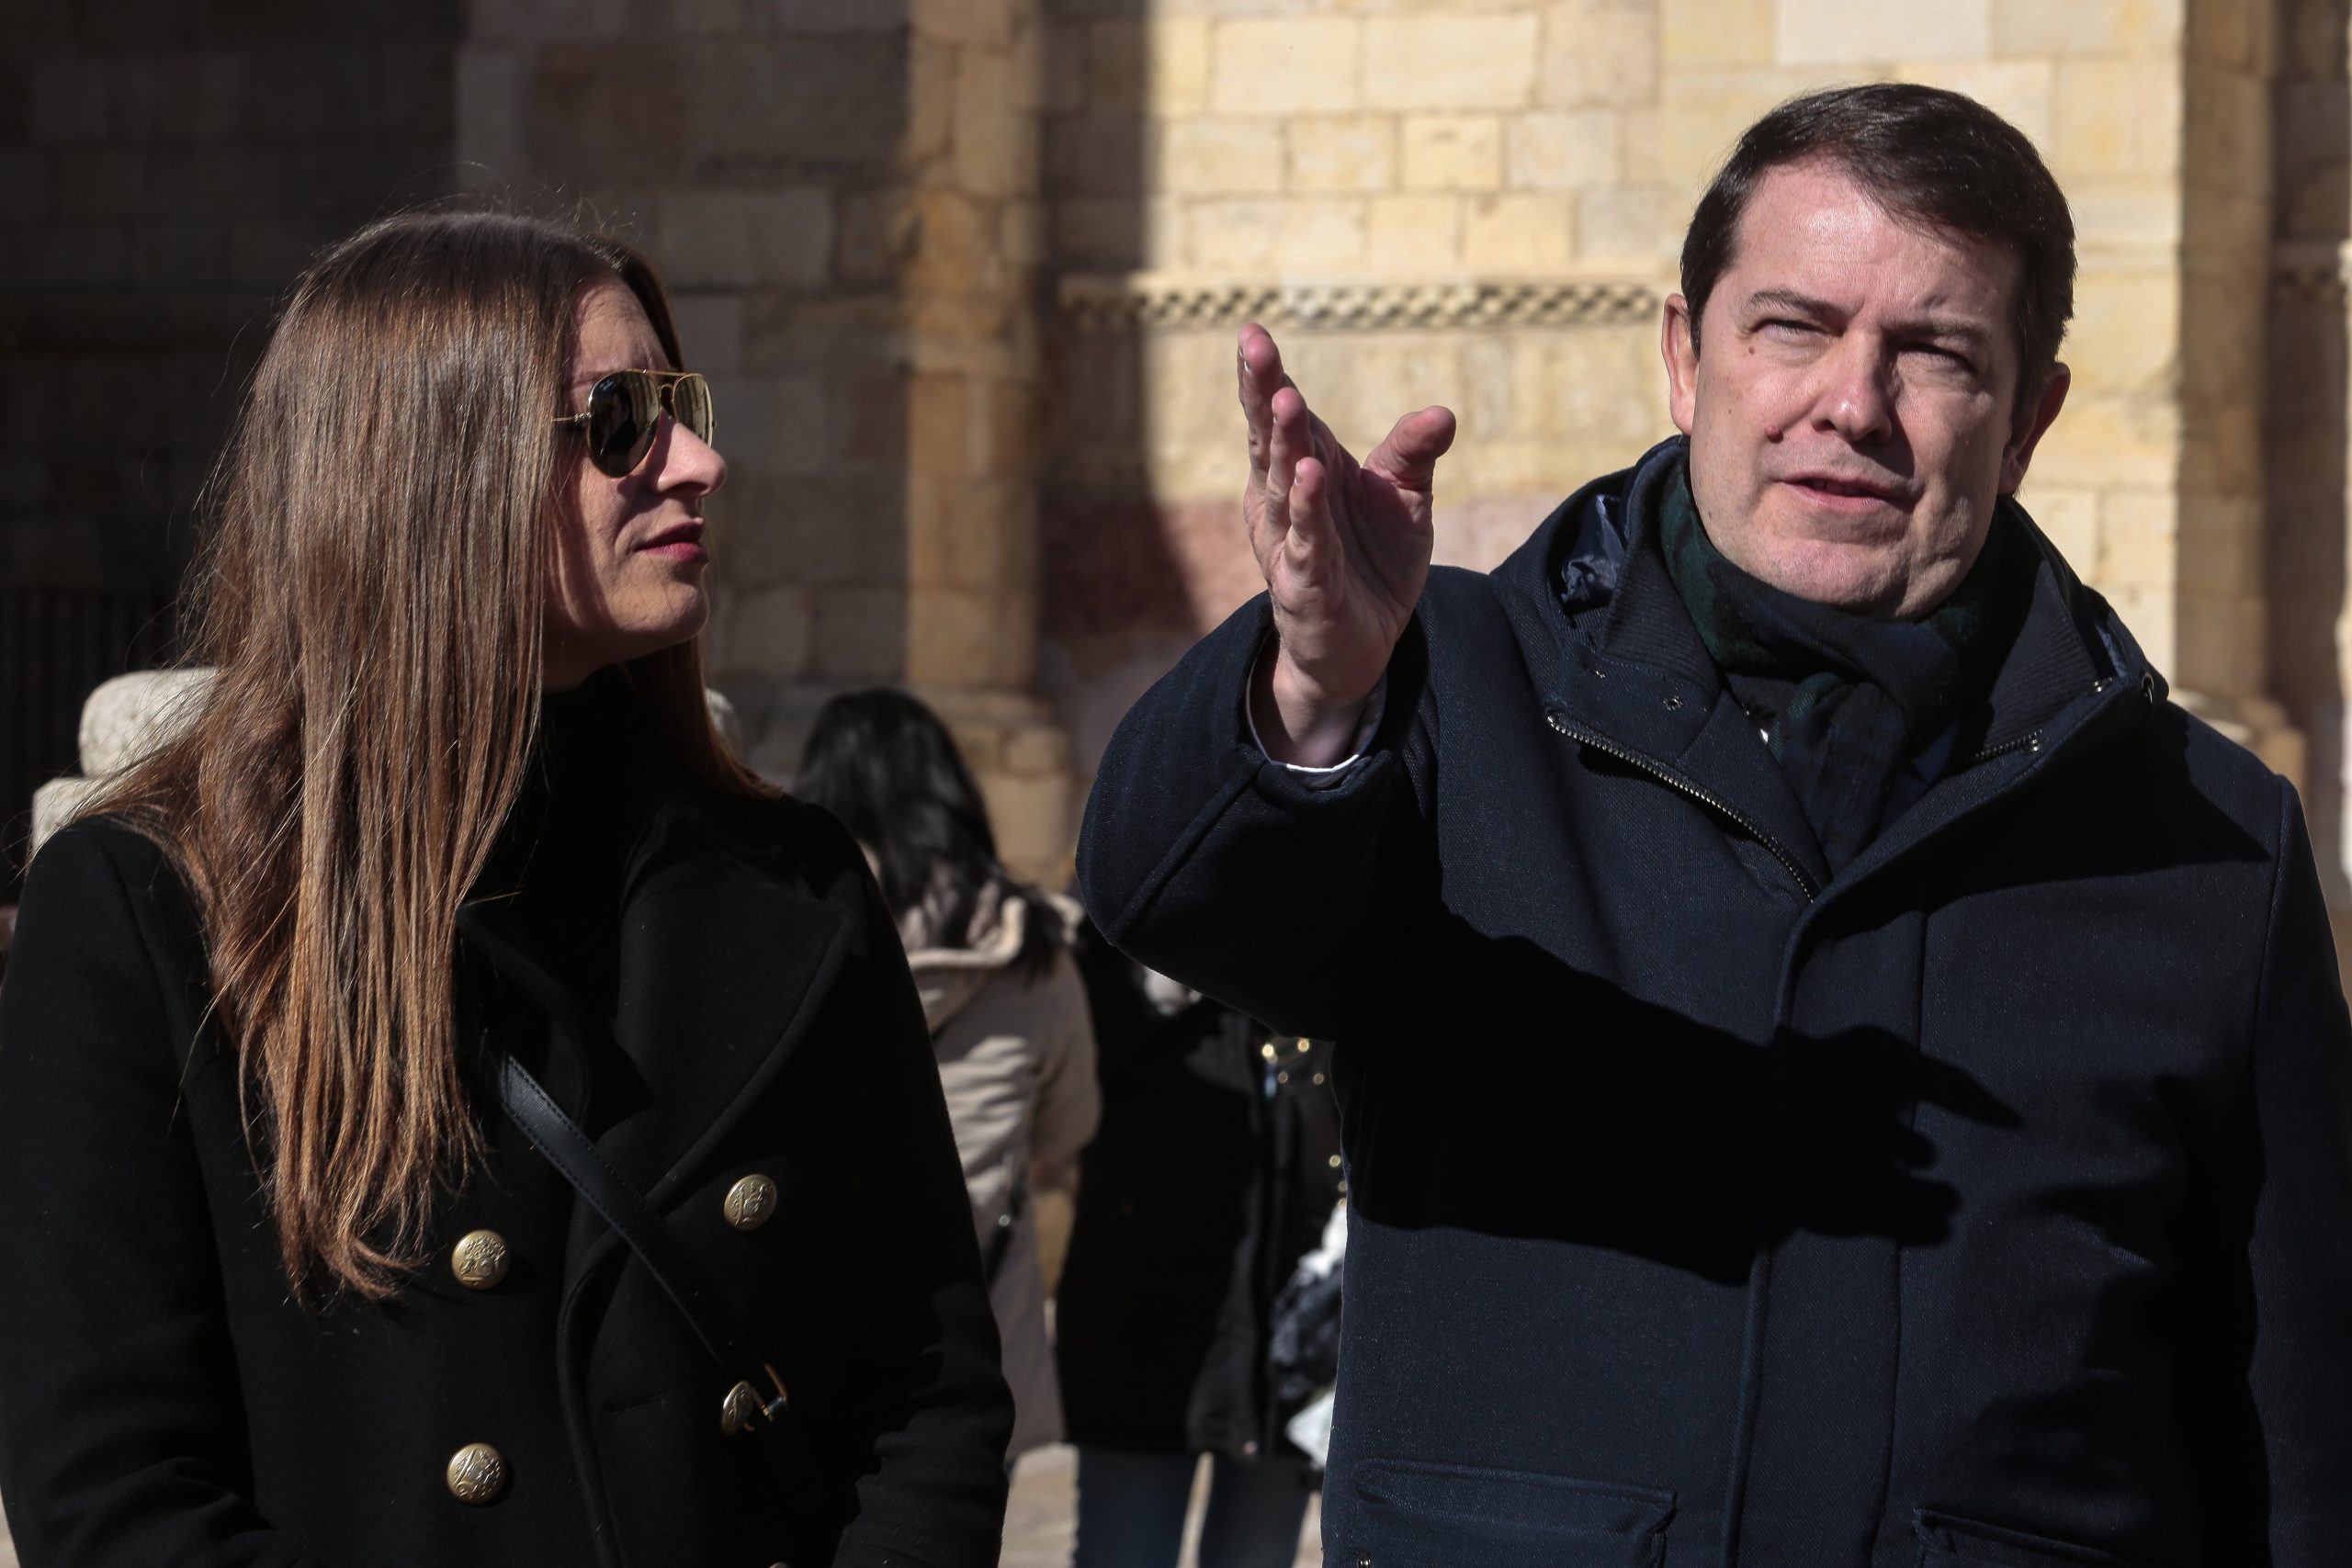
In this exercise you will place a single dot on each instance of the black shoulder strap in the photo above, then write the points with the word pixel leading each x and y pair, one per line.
pixel 576 1160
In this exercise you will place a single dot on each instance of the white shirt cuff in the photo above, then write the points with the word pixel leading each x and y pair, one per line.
pixel 1376 708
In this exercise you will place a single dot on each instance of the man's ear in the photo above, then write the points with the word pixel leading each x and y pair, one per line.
pixel 2029 426
pixel 1679 345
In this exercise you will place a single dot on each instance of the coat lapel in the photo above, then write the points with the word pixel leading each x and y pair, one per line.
pixel 1641 678
pixel 724 960
pixel 724 965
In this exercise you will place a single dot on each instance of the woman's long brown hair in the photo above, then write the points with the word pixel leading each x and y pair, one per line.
pixel 371 590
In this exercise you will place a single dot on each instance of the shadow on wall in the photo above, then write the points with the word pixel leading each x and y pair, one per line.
pixel 1115 607
pixel 2307 412
pixel 170 168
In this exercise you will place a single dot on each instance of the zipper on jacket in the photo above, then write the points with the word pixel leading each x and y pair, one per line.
pixel 1713 802
pixel 2029 741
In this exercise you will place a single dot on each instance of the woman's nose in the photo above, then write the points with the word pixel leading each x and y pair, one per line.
pixel 687 461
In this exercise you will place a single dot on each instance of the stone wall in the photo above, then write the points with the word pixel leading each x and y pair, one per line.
pixel 965 274
pixel 841 194
pixel 2307 409
pixel 168 169
pixel 1482 205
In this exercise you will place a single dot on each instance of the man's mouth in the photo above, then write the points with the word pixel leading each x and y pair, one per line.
pixel 1841 487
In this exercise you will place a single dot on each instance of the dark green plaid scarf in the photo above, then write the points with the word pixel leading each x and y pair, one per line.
pixel 1850 704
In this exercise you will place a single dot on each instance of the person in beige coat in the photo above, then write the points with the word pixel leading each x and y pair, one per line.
pixel 1000 991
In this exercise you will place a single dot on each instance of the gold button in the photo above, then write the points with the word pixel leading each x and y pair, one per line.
pixel 477 1474
pixel 480 1259
pixel 739 1409
pixel 751 1202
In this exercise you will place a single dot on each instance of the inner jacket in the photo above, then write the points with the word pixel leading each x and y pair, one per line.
pixel 1988 1205
pixel 711 988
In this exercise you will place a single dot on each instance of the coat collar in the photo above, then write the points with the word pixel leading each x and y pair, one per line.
pixel 724 956
pixel 1590 589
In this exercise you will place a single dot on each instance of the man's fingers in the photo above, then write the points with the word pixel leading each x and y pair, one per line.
pixel 1415 444
pixel 1293 438
pixel 1312 535
pixel 1258 368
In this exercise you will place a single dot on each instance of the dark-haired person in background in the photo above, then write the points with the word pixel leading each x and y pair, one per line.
pixel 1837 1069
pixel 1008 1013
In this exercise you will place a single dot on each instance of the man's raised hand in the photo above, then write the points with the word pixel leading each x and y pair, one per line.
pixel 1344 548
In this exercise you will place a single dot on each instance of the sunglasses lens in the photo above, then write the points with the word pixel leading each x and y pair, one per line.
pixel 690 403
pixel 624 412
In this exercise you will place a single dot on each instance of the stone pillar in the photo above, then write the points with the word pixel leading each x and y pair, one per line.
pixel 971 205
pixel 841 196
pixel 2308 415
pixel 2220 657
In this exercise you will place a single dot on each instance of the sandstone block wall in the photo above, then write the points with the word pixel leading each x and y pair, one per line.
pixel 843 197
pixel 965 272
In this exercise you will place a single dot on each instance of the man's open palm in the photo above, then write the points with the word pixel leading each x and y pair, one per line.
pixel 1344 546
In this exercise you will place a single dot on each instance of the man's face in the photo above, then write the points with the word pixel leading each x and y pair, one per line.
pixel 1856 412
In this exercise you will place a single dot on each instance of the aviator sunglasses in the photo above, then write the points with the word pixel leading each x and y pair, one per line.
pixel 624 414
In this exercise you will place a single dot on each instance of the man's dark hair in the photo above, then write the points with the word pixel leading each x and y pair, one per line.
pixel 1927 156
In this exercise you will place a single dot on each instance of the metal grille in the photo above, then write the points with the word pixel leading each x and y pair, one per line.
pixel 56 646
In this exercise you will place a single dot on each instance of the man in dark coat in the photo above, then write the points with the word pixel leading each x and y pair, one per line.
pixel 1837 1069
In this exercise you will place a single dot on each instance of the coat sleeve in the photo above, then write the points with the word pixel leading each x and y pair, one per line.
pixel 121 1425
pixel 1277 894
pixel 931 1409
pixel 2281 1335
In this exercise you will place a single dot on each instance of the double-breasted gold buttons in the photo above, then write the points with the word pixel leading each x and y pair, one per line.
pixel 751 1202
pixel 480 1259
pixel 739 1409
pixel 478 1474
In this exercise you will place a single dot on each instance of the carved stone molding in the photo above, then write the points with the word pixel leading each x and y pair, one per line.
pixel 1113 303
pixel 2310 269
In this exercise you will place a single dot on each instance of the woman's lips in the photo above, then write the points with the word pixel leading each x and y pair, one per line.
pixel 683 543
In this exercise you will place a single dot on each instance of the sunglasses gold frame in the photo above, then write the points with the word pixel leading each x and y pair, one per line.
pixel 663 386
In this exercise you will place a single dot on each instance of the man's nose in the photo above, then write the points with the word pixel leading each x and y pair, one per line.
pixel 1856 397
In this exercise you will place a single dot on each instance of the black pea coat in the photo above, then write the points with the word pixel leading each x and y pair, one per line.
pixel 164 1400
pixel 1195 1201
pixel 1988 1205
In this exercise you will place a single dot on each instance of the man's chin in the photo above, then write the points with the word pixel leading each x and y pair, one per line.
pixel 1867 579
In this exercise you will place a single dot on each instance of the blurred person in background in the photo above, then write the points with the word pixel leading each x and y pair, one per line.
pixel 1217 1169
pixel 992 959
pixel 451 1110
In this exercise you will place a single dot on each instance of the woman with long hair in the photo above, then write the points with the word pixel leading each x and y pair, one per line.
pixel 451 1110
pixel 1007 1010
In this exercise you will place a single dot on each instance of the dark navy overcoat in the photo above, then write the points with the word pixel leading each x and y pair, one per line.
pixel 1987 1205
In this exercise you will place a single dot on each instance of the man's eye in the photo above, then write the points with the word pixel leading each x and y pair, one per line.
pixel 1950 357
pixel 1782 328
